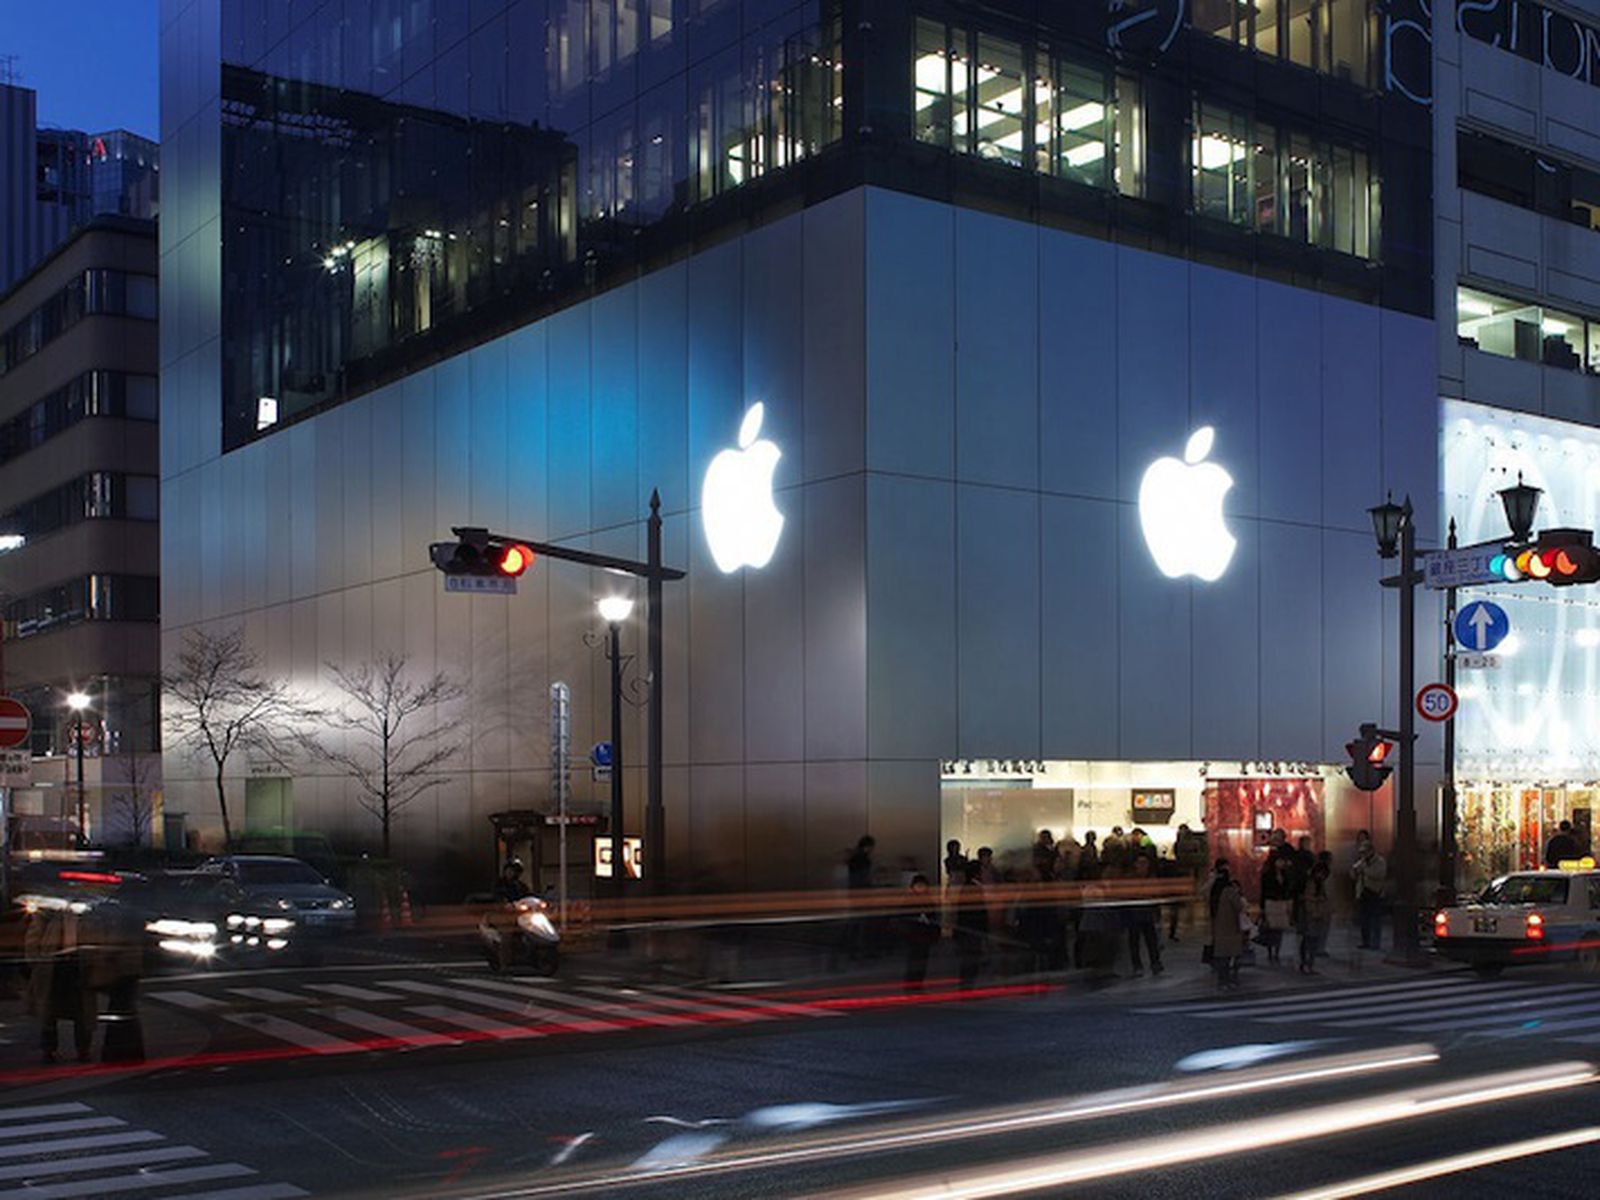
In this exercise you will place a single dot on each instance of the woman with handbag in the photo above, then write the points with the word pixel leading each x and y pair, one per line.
pixel 1316 915
pixel 1277 900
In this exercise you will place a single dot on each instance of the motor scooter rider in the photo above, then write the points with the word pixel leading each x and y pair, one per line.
pixel 510 888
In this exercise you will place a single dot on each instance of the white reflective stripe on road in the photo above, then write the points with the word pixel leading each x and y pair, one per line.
pixel 106 1185
pixel 1410 985
pixel 476 1022
pixel 784 1008
pixel 43 1129
pixel 386 1027
pixel 263 995
pixel 78 1165
pixel 732 1015
pixel 1506 994
pixel 1566 1007
pixel 467 991
pixel 184 999
pixel 1345 997
pixel 588 1004
pixel 98 1141
pixel 349 991
pixel 292 1032
pixel 30 1111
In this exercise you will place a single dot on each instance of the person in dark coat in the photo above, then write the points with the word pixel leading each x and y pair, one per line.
pixel 1142 920
pixel 920 929
pixel 56 988
pixel 1045 857
pixel 1277 903
pixel 972 926
pixel 1089 858
pixel 1227 927
pixel 1564 847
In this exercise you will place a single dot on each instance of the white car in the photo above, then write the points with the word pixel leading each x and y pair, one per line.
pixel 1522 918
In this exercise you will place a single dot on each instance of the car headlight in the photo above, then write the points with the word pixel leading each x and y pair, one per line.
pixel 175 927
pixel 345 903
pixel 276 925
pixel 186 946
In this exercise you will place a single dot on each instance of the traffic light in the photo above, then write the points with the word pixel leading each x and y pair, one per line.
pixel 1561 558
pixel 479 554
pixel 1368 755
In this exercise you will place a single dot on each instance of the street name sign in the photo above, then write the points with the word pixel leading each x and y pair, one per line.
pixel 1481 626
pixel 499 585
pixel 16 723
pixel 1437 702
pixel 1460 568
pixel 16 768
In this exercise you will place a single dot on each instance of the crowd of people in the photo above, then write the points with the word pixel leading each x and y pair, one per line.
pixel 993 924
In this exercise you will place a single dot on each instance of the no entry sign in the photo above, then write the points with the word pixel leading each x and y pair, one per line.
pixel 16 723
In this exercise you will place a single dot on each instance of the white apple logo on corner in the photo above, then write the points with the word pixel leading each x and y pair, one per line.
pixel 742 523
pixel 1180 510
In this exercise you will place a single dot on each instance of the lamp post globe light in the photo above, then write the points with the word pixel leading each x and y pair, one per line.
pixel 78 702
pixel 614 610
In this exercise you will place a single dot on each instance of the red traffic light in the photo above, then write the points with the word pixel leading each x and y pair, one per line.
pixel 513 559
pixel 1379 753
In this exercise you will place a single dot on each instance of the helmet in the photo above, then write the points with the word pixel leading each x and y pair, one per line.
pixel 513 864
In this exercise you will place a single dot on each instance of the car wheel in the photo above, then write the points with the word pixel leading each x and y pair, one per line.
pixel 1489 970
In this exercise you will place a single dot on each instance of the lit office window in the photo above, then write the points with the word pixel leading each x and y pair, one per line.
pixel 1334 37
pixel 999 119
pixel 1075 132
pixel 1531 332
pixel 935 84
pixel 1285 183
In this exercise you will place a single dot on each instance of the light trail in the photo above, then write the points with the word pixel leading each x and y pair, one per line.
pixel 988 1123
pixel 1219 1141
pixel 1453 1165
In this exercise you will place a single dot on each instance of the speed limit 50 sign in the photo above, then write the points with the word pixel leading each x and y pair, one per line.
pixel 1437 702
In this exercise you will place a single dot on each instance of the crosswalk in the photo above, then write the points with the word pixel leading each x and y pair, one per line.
pixel 432 1009
pixel 60 1151
pixel 1453 1004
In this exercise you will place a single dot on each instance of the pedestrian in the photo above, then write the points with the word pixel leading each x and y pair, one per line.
pixel 1229 924
pixel 112 962
pixel 1044 857
pixel 955 864
pixel 1564 847
pixel 972 926
pixel 1277 904
pixel 1316 915
pixel 1089 858
pixel 1189 857
pixel 920 928
pixel 1142 924
pixel 1371 874
pixel 858 871
pixel 1068 852
pixel 1114 850
pixel 56 990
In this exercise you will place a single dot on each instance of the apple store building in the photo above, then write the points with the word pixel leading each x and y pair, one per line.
pixel 1014 403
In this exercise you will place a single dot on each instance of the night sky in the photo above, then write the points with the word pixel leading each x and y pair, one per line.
pixel 93 62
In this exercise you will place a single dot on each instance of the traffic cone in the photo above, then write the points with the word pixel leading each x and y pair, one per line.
pixel 405 909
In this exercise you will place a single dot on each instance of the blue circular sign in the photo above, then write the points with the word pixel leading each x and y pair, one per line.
pixel 1481 626
pixel 600 756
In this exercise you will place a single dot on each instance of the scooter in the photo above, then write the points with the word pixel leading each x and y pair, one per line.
pixel 521 934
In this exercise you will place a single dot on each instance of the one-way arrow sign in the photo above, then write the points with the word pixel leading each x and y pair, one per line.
pixel 1481 626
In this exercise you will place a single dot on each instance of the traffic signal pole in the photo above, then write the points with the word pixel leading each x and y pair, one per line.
pixel 1447 796
pixel 1405 821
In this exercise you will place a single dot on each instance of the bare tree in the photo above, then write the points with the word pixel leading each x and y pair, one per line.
pixel 219 702
pixel 393 751
pixel 134 797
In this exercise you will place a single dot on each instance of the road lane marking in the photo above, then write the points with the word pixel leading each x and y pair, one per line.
pixel 28 1112
pixel 1397 1010
pixel 476 1022
pixel 96 1162
pixel 349 991
pixel 292 1032
pixel 184 999
pixel 1329 993
pixel 467 993
pixel 98 1141
pixel 385 1027
pixel 1335 997
pixel 1480 1021
pixel 264 995
pixel 623 1011
pixel 259 1191
pixel 136 1181
pixel 41 1129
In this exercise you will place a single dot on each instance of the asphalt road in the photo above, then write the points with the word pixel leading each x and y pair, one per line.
pixel 439 1080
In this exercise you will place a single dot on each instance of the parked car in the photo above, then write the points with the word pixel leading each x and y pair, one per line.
pixel 290 887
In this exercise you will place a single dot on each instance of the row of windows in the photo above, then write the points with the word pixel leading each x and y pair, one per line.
pixel 1532 332
pixel 92 394
pixel 1273 180
pixel 90 598
pixel 356 226
pixel 1336 37
pixel 126 708
pixel 981 95
pixel 1528 178
pixel 977 94
pixel 98 495
pixel 93 292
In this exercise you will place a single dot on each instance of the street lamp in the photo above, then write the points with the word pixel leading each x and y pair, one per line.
pixel 77 702
pixel 614 610
pixel 1396 534
pixel 1522 505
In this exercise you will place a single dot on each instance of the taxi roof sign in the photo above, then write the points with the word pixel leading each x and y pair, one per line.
pixel 1586 863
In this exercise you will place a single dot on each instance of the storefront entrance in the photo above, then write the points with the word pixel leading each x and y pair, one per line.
pixel 1503 827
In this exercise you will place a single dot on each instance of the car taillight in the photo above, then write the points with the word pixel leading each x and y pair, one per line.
pixel 1441 924
pixel 1535 926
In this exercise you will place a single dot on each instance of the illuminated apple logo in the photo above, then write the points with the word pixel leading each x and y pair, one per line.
pixel 741 521
pixel 1180 510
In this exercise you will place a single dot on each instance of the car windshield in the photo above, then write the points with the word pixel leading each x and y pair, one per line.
pixel 1526 889
pixel 256 874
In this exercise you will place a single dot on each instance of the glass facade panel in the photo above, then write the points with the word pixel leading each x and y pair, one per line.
pixel 1334 37
pixel 998 101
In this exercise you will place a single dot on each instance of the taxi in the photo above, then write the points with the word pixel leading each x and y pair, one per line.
pixel 1526 917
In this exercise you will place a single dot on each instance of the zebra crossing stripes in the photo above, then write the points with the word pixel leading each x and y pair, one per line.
pixel 59 1161
pixel 1438 1004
